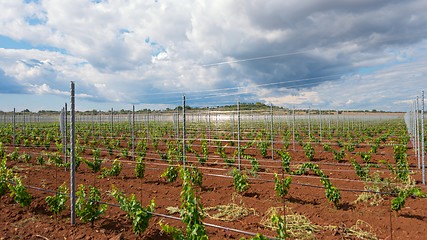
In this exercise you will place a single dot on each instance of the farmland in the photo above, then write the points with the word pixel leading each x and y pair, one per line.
pixel 274 173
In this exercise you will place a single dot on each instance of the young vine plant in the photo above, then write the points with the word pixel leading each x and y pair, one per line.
pixel 115 170
pixel 191 212
pixel 56 203
pixel 194 175
pixel 286 160
pixel 277 220
pixel 263 147
pixel 171 173
pixel 139 215
pixel 309 151
pixel 140 167
pixel 19 192
pixel 398 202
pixel 281 186
pixel 332 193
pixel 88 206
pixel 240 181
pixel 6 175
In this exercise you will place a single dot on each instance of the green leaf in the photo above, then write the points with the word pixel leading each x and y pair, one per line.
pixel 56 203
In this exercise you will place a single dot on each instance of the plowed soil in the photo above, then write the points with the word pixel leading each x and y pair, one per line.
pixel 306 197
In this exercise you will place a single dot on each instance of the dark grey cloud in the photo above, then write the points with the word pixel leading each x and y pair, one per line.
pixel 326 26
pixel 274 50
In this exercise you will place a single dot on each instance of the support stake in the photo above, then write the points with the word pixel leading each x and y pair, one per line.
pixel 422 140
pixel 238 134
pixel 184 145
pixel 73 160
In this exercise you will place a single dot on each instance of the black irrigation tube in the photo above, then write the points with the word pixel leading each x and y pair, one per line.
pixel 154 213
pixel 221 169
pixel 257 179
pixel 33 187
pixel 262 180
pixel 233 147
pixel 297 183
pixel 268 180
pixel 414 168
pixel 228 147
pixel 312 186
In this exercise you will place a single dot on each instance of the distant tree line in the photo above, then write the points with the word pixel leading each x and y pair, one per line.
pixel 257 106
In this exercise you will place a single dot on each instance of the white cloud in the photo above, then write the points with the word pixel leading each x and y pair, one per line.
pixel 302 98
pixel 133 52
pixel 45 89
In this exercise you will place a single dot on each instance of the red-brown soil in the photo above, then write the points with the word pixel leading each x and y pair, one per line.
pixel 36 222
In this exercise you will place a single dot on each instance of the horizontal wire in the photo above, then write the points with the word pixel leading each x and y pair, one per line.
pixel 154 213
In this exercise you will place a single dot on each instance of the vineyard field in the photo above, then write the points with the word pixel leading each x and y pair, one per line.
pixel 351 177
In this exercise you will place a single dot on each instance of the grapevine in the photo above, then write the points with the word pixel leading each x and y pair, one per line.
pixel 362 172
pixel 339 155
pixel 398 202
pixel 139 215
pixel 240 181
pixel 282 186
pixel 309 151
pixel 140 167
pixel 263 147
pixel 6 176
pixel 115 170
pixel 286 160
pixel 332 193
pixel 171 173
pixel 191 214
pixel 19 192
pixel 56 203
pixel 277 220
pixel 402 166
pixel 88 206
pixel 95 166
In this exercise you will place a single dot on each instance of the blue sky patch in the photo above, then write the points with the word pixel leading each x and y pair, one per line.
pixel 32 1
pixel 33 21
pixel 9 43
pixel 277 52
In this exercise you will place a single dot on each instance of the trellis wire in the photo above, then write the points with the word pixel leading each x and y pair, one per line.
pixel 309 124
pixel 261 161
pixel 152 213
pixel 184 108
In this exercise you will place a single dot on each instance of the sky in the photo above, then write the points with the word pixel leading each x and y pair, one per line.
pixel 329 54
